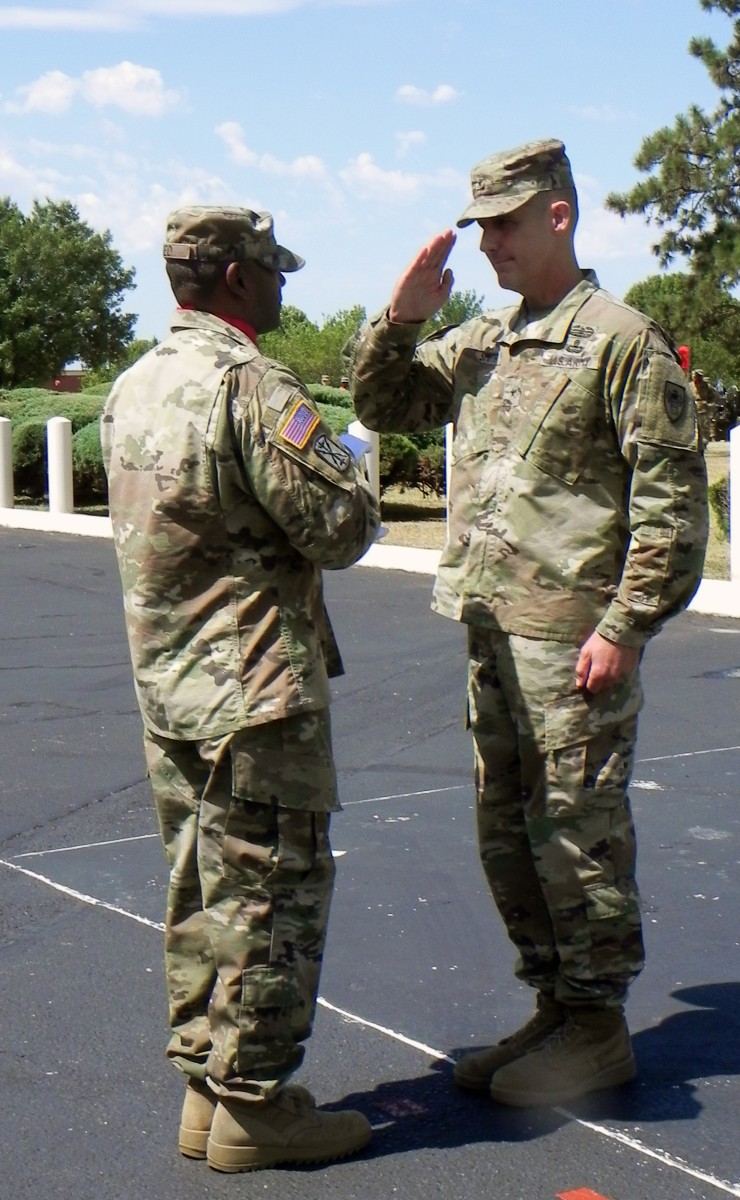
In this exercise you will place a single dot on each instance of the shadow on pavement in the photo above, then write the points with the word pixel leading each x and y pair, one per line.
pixel 430 1112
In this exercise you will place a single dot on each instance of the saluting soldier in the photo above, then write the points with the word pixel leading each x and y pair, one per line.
pixel 577 526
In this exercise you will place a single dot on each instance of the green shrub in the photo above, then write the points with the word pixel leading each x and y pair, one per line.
pixel 406 462
pixel 90 484
pixel 399 461
pixel 38 404
pixel 321 393
pixel 430 472
pixel 99 390
pixel 428 437
pixel 336 418
pixel 29 458
pixel 719 499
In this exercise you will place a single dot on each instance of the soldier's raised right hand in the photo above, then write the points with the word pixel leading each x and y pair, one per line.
pixel 425 284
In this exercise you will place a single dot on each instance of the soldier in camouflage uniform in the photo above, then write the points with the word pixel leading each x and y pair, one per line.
pixel 578 523
pixel 228 495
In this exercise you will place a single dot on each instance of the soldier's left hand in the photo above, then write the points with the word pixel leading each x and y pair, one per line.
pixel 602 664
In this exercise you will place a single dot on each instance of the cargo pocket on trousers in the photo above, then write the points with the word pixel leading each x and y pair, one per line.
pixel 568 725
pixel 270 995
pixel 580 727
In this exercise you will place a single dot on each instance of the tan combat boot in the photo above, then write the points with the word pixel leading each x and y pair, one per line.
pixel 476 1070
pixel 198 1108
pixel 287 1129
pixel 197 1115
pixel 589 1051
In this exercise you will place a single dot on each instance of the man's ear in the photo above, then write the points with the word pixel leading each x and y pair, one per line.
pixel 561 216
pixel 236 280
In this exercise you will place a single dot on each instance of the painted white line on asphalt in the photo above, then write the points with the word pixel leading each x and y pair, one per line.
pixel 397 1037
pixel 140 837
pixel 687 754
pixel 459 787
pixel 75 895
pixel 612 1134
pixel 723 1185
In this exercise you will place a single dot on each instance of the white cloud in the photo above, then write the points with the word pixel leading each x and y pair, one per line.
pixel 604 236
pixel 80 20
pixel 237 8
pixel 15 177
pixel 442 94
pixel 603 113
pixel 306 166
pixel 50 93
pixel 101 16
pixel 405 141
pixel 137 90
pixel 366 180
pixel 232 135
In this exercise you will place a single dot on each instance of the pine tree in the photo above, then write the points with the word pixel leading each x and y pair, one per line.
pixel 692 193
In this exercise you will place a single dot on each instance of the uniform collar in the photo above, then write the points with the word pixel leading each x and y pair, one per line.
pixel 553 325
pixel 243 326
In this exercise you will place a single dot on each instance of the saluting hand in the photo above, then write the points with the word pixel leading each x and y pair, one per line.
pixel 425 284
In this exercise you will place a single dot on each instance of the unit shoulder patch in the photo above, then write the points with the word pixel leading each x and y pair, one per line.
pixel 674 401
pixel 332 453
pixel 667 411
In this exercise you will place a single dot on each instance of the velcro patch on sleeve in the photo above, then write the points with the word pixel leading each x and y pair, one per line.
pixel 668 414
pixel 332 452
pixel 300 423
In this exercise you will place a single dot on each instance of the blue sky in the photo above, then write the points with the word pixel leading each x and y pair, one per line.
pixel 355 122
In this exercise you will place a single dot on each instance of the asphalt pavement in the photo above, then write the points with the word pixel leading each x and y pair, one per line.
pixel 417 966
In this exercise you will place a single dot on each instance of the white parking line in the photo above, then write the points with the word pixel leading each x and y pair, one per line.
pixel 75 895
pixel 687 754
pixel 140 837
pixel 458 787
pixel 612 1134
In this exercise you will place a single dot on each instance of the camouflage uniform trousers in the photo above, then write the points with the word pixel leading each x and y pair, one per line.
pixel 245 825
pixel 555 829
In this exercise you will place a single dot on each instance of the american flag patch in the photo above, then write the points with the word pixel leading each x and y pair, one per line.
pixel 299 426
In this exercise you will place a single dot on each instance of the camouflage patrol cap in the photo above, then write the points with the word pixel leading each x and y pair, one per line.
pixel 509 179
pixel 203 233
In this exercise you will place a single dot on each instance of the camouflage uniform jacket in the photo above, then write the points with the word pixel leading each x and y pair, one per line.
pixel 578 490
pixel 228 494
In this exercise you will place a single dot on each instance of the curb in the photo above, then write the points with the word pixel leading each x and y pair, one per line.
pixel 715 597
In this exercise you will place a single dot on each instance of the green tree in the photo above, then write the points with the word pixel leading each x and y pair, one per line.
pixel 699 313
pixel 61 291
pixel 109 371
pixel 310 350
pixel 460 307
pixel 692 192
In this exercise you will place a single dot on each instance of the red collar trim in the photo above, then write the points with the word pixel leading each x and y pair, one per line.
pixel 242 326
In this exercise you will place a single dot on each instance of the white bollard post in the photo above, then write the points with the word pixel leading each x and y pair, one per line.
pixel 449 437
pixel 6 464
pixel 372 456
pixel 59 465
pixel 734 486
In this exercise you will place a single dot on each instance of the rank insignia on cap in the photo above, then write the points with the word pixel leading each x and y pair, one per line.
pixel 674 401
pixel 299 426
pixel 332 453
